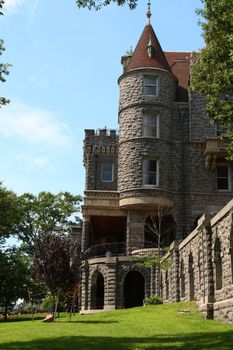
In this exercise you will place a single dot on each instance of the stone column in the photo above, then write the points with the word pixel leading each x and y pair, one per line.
pixel 209 271
pixel 110 287
pixel 85 233
pixel 84 285
pixel 175 288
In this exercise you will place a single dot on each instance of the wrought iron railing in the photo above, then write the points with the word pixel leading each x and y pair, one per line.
pixel 119 249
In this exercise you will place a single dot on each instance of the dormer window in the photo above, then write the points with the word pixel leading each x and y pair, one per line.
pixel 150 125
pixel 151 86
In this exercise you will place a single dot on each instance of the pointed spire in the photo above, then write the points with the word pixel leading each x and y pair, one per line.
pixel 148 52
pixel 148 13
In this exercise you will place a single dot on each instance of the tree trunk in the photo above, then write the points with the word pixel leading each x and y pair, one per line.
pixel 56 304
pixel 5 313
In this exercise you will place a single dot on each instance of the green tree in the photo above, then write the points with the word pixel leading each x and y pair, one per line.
pixel 9 213
pixel 97 5
pixel 14 277
pixel 44 214
pixel 212 73
pixel 3 66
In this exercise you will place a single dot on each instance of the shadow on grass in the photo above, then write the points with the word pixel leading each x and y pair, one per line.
pixel 197 341
pixel 87 321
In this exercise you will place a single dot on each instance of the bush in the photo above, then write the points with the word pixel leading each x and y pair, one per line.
pixel 153 300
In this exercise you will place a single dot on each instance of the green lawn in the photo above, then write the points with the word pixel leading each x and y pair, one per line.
pixel 152 328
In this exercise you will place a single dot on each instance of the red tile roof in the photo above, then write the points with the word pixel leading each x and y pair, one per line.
pixel 140 58
pixel 180 66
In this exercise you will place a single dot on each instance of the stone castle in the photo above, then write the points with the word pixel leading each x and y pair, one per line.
pixel 164 175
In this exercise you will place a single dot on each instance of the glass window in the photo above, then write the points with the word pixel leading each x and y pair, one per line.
pixel 150 172
pixel 151 125
pixel 222 177
pixel 107 172
pixel 151 86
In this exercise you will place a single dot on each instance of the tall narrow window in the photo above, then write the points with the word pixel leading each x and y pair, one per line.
pixel 231 253
pixel 150 172
pixel 218 264
pixel 182 279
pixel 151 86
pixel 223 177
pixel 107 172
pixel 151 125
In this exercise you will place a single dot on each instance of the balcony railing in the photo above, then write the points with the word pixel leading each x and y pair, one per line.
pixel 119 249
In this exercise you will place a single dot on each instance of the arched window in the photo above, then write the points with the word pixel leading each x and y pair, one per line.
pixel 218 264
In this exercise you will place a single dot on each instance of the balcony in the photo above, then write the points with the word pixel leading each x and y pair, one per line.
pixel 215 149
pixel 98 202
pixel 120 249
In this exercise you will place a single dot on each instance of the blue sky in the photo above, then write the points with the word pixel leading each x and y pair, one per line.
pixel 66 62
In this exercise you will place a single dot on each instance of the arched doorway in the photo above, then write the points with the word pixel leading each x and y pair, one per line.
pixel 134 289
pixel 97 291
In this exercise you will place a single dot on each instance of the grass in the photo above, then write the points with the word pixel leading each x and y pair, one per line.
pixel 149 328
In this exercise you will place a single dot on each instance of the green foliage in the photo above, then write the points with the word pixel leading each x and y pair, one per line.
pixel 45 213
pixel 212 73
pixel 152 260
pixel 153 300
pixel 48 304
pixel 14 277
pixel 9 213
pixel 98 4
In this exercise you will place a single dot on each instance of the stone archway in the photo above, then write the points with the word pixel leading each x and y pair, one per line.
pixel 134 289
pixel 97 291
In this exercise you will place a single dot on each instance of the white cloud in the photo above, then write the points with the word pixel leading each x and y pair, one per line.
pixel 13 5
pixel 31 7
pixel 33 125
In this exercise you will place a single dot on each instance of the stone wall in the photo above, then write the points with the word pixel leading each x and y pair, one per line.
pixel 99 147
pixel 201 267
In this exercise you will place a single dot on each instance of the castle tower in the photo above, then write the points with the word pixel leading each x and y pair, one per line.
pixel 147 91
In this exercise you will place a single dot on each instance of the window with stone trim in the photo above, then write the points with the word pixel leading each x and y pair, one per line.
pixel 231 252
pixel 218 264
pixel 150 125
pixel 151 86
pixel 107 172
pixel 222 177
pixel 151 172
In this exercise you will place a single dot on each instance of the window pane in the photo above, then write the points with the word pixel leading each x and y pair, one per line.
pixel 107 172
pixel 150 125
pixel 222 171
pixel 222 177
pixel 151 85
pixel 149 172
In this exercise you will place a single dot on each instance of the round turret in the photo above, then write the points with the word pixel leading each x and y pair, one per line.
pixel 147 90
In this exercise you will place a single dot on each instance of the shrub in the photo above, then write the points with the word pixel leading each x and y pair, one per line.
pixel 153 300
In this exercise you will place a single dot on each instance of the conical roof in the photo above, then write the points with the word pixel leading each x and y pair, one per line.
pixel 141 58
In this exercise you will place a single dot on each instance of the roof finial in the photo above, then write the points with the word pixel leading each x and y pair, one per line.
pixel 148 13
